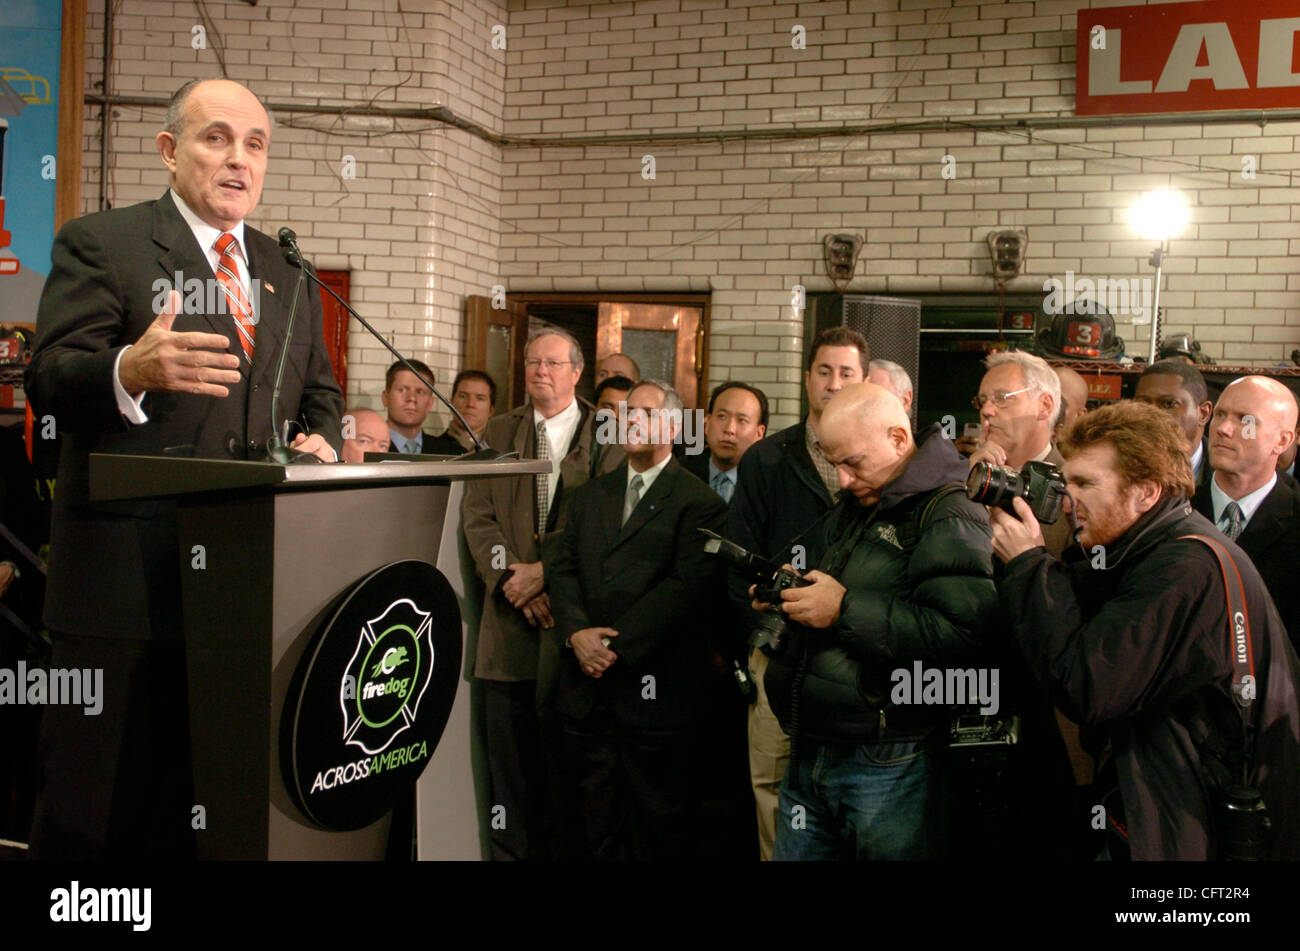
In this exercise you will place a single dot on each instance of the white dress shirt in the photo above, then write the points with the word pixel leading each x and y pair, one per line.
pixel 1247 503
pixel 647 478
pixel 559 433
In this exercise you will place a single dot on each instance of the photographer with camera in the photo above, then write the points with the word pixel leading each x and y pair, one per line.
pixel 1019 401
pixel 1133 635
pixel 907 579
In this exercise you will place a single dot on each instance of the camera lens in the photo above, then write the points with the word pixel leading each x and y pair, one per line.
pixel 993 485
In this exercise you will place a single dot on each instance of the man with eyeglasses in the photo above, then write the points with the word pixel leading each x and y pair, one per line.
pixel 1018 402
pixel 507 524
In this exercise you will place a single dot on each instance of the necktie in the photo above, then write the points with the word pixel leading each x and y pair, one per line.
pixel 543 479
pixel 723 486
pixel 410 446
pixel 633 496
pixel 228 274
pixel 1231 515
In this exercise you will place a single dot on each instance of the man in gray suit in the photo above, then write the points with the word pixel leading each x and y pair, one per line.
pixel 506 523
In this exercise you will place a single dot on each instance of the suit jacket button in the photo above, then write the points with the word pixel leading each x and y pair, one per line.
pixel 256 387
pixel 252 445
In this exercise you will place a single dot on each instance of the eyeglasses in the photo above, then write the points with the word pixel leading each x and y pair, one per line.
pixel 532 363
pixel 999 398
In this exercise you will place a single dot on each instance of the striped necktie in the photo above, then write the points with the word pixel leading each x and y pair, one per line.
pixel 228 274
pixel 1231 520
pixel 543 480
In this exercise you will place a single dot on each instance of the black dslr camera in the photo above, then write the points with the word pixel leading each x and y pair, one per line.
pixel 772 635
pixel 1040 484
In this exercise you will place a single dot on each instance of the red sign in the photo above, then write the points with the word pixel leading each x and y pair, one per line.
pixel 1188 57
pixel 1104 386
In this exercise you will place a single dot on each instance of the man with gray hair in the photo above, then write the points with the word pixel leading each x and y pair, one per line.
pixel 1018 402
pixel 632 589
pixel 892 377
pixel 128 365
pixel 508 523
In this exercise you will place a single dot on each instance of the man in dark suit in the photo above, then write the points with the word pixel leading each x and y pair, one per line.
pixel 737 418
pixel 1177 389
pixel 408 401
pixel 630 586
pixel 124 365
pixel 1252 503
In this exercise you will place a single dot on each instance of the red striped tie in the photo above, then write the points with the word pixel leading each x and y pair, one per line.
pixel 228 274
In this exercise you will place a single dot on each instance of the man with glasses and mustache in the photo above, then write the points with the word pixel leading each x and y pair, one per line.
pixel 1018 402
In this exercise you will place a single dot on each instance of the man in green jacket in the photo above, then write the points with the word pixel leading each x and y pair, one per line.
pixel 901 602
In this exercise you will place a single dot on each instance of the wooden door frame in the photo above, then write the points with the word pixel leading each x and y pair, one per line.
pixel 594 298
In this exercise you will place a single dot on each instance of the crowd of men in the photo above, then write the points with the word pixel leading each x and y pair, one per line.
pixel 908 674
pixel 619 677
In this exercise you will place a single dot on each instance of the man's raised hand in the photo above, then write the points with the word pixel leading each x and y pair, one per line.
pixel 185 362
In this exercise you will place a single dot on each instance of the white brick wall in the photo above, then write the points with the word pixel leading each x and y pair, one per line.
pixel 745 218
pixel 420 224
pixel 437 214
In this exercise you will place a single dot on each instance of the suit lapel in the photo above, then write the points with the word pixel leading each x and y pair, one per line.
pixel 270 307
pixel 611 506
pixel 182 256
pixel 651 504
pixel 1270 522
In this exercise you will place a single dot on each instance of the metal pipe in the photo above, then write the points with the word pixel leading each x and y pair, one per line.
pixel 106 118
pixel 447 117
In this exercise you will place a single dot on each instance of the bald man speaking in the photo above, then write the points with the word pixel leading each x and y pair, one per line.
pixel 907 581
pixel 1254 422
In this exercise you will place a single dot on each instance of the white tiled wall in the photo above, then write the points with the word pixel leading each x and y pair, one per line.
pixel 435 213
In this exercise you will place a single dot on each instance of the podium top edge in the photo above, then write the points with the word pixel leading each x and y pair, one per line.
pixel 120 476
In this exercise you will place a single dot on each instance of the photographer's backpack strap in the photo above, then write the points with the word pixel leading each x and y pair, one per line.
pixel 1241 651
pixel 909 529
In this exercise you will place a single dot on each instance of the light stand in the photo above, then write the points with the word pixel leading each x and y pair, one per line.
pixel 1157 260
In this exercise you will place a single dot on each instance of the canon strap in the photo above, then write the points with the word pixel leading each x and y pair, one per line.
pixel 1240 647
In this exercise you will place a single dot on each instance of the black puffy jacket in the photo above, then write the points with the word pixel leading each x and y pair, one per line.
pixel 932 601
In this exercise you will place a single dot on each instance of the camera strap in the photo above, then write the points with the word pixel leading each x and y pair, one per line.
pixel 1241 651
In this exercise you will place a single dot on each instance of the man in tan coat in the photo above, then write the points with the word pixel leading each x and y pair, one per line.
pixel 506 524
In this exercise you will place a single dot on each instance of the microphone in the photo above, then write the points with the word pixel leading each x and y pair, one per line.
pixel 289 241
pixel 292 255
pixel 276 449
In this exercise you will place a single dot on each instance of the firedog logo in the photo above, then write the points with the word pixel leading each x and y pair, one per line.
pixel 384 682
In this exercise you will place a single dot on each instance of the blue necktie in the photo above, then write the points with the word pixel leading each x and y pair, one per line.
pixel 723 486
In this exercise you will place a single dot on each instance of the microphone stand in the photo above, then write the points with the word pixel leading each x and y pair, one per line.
pixel 276 449
pixel 295 258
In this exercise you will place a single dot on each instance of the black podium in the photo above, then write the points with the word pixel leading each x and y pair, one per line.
pixel 266 553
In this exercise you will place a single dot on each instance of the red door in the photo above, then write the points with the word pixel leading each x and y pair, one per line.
pixel 336 324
